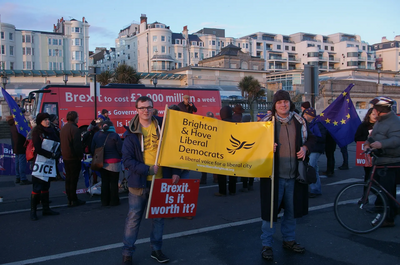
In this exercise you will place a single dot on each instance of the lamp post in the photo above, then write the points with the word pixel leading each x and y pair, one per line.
pixel 65 79
pixel 155 81
pixel 379 76
pixel 4 79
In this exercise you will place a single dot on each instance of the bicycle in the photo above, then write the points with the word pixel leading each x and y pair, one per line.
pixel 362 207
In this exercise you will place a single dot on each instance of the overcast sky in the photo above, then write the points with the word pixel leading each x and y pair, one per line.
pixel 370 19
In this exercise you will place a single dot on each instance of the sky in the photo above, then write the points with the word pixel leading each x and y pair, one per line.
pixel 370 19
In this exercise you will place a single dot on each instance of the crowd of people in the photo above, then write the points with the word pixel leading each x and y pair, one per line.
pixel 298 136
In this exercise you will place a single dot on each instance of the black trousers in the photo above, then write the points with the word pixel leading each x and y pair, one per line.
pixel 330 147
pixel 387 178
pixel 247 182
pixel 109 188
pixel 72 171
pixel 222 184
pixel 39 186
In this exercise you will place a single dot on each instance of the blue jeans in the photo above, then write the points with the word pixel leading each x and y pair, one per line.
pixel 315 187
pixel 20 166
pixel 137 205
pixel 288 225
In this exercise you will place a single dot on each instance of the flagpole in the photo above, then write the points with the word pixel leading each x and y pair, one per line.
pixel 271 221
pixel 156 162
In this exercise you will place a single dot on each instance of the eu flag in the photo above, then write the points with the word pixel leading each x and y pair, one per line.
pixel 341 119
pixel 20 122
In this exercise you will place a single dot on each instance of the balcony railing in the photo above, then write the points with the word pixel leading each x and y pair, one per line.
pixel 323 58
pixel 277 58
pixel 362 58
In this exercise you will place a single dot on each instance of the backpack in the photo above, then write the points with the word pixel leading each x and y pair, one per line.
pixel 30 150
pixel 87 138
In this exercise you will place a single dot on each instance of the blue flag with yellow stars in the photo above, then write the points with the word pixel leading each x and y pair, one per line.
pixel 20 122
pixel 341 119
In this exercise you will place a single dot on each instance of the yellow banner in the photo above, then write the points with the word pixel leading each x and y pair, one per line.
pixel 210 145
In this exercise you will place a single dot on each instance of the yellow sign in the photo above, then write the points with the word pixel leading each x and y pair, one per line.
pixel 210 145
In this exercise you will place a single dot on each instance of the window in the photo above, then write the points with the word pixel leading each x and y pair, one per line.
pixel 24 65
pixel 201 44
pixel 10 36
pixel 23 38
pixel 28 51
pixel 2 35
pixel 28 65
pixel 3 49
pixel 286 48
pixel 196 55
pixel 23 50
pixel 154 38
pixel 222 44
pixel 363 48
pixel 278 46
pixel 49 52
pixel 128 46
pixel 213 53
pixel 213 42
pixel 332 48
pixel 239 45
pixel 28 38
pixel 59 53
pixel 61 68
pixel 54 65
pixel 11 65
pixel 59 42
pixel 55 52
pixel 11 50
pixel 55 41
pixel 176 41
pixel 293 48
pixel 326 48
pixel 129 56
pixel 49 40
pixel 78 55
pixel 183 42
pixel 194 43
pixel 77 42
pixel 162 38
pixel 352 54
pixel 179 55
pixel 76 29
pixel 32 42
pixel 154 48
pixel 163 49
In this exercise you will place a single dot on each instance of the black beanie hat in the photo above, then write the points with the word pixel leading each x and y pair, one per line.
pixel 42 116
pixel 53 117
pixel 306 105
pixel 281 95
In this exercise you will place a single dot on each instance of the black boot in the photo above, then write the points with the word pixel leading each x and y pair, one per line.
pixel 203 179
pixel 35 198
pixel 45 204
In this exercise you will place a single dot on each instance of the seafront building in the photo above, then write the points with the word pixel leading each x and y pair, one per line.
pixel 66 48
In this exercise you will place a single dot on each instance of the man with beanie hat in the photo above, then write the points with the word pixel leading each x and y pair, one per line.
pixel 305 105
pixel 72 152
pixel 293 141
pixel 319 131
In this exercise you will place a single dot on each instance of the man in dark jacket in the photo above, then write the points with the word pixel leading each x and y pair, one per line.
pixel 139 152
pixel 72 153
pixel 293 141
pixel 17 141
pixel 187 106
pixel 319 131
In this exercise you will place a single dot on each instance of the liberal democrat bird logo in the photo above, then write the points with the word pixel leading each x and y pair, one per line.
pixel 238 145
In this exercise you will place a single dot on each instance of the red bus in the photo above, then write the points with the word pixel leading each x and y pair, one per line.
pixel 119 100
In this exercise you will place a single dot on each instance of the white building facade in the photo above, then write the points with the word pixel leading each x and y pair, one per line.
pixel 66 48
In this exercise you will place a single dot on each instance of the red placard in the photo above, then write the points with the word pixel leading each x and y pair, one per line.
pixel 362 160
pixel 173 200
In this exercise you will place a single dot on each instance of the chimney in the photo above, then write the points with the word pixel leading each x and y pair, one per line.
pixel 397 38
pixel 384 39
pixel 143 19
pixel 83 19
pixel 185 32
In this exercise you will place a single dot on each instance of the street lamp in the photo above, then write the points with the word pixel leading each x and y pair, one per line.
pixel 65 79
pixel 155 81
pixel 4 80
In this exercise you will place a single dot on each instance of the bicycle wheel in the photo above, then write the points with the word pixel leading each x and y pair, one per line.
pixel 355 216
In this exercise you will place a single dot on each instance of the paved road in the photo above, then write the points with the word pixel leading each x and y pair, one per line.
pixel 225 231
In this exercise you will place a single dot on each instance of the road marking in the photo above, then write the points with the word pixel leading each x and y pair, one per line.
pixel 147 240
pixel 350 180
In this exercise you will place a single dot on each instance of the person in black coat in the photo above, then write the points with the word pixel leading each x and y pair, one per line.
pixel 362 133
pixel 18 141
pixel 226 115
pixel 40 189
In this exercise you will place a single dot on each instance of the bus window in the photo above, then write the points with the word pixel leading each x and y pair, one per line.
pixel 50 108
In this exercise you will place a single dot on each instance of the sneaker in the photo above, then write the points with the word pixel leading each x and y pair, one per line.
pixel 267 253
pixel 126 260
pixel 17 181
pixel 25 182
pixel 76 203
pixel 344 167
pixel 159 256
pixel 376 220
pixel 293 246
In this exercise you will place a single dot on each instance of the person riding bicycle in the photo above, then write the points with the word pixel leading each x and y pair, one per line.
pixel 385 138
